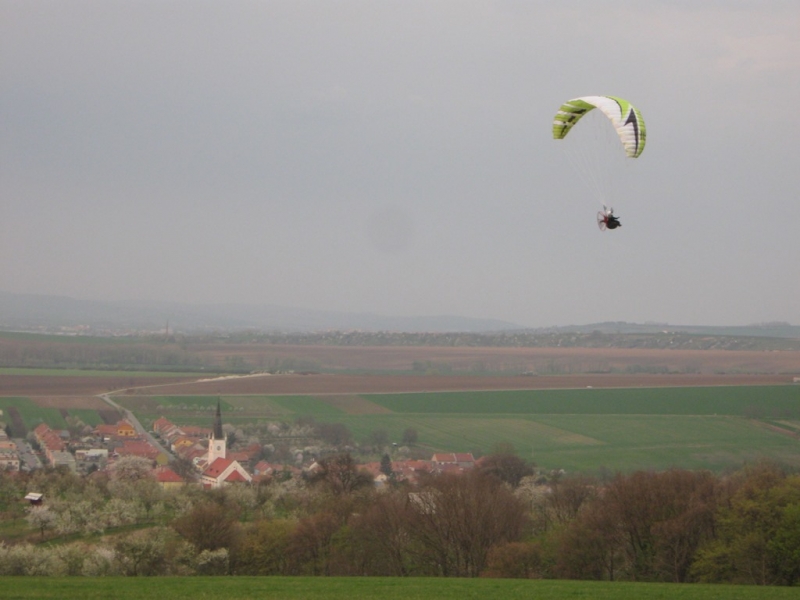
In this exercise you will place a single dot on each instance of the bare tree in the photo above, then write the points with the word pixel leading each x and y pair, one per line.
pixel 209 526
pixel 340 474
pixel 456 519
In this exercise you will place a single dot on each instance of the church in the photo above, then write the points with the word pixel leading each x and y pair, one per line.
pixel 220 470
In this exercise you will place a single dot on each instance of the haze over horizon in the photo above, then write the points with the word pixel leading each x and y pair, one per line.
pixel 396 158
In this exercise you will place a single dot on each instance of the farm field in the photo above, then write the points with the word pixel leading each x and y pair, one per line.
pixel 539 360
pixel 385 384
pixel 576 430
pixel 333 588
pixel 694 416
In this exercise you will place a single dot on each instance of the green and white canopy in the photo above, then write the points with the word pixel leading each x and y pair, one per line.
pixel 626 119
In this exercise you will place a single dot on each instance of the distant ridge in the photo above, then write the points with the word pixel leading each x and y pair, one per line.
pixel 776 329
pixel 33 312
pixel 46 313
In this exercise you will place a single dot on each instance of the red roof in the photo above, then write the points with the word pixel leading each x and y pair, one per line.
pixel 235 476
pixel 167 475
pixel 216 468
pixel 161 423
pixel 106 429
pixel 41 428
pixel 444 458
pixel 138 448
pixel 196 431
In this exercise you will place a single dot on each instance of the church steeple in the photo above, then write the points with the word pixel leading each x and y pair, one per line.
pixel 218 423
pixel 217 443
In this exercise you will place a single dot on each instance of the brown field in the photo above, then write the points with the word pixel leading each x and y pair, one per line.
pixel 60 385
pixel 539 360
pixel 549 368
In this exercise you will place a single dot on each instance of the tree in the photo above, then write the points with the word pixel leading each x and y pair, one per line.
pixel 311 543
pixel 209 526
pixel 341 475
pixel 758 532
pixel 410 436
pixel 508 468
pixel 379 439
pixel 265 548
pixel 386 465
pixel 518 560
pixel 381 534
pixel 184 468
pixel 132 468
pixel 41 518
pixel 567 496
pixel 143 552
pixel 335 434
pixel 643 527
pixel 456 519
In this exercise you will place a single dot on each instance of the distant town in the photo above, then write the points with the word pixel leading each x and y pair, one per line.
pixel 199 455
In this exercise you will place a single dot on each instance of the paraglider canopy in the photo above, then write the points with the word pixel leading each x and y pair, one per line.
pixel 595 151
pixel 626 119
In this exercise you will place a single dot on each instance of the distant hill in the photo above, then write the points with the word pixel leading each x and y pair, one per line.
pixel 32 312
pixel 772 330
pixel 62 314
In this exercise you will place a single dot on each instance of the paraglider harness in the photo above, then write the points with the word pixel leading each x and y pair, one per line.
pixel 607 220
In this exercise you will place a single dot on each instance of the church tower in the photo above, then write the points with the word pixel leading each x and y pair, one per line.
pixel 216 445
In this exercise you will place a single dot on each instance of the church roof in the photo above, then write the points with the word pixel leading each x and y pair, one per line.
pixel 216 468
pixel 234 477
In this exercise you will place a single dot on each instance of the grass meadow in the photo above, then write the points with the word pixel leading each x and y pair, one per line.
pixel 576 430
pixel 347 588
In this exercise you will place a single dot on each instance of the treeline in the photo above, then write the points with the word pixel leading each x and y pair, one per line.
pixel 495 521
pixel 522 339
pixel 101 355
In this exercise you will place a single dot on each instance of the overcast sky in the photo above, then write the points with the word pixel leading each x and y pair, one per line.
pixel 396 157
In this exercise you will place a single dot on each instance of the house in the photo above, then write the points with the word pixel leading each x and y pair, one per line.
pixel 34 498
pixel 141 448
pixel 162 425
pixel 92 454
pixel 63 459
pixel 167 478
pixel 224 471
pixel 125 430
pixel 121 429
pixel 181 443
pixel 446 461
pixel 9 459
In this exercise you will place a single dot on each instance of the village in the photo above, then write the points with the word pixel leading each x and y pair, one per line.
pixel 196 455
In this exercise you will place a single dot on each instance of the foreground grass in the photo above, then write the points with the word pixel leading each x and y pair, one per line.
pixel 310 588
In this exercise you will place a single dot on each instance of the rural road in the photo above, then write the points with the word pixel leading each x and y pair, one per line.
pixel 131 418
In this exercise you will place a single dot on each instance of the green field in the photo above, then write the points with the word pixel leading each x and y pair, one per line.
pixel 30 413
pixel 347 588
pixel 575 430
pixel 717 400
